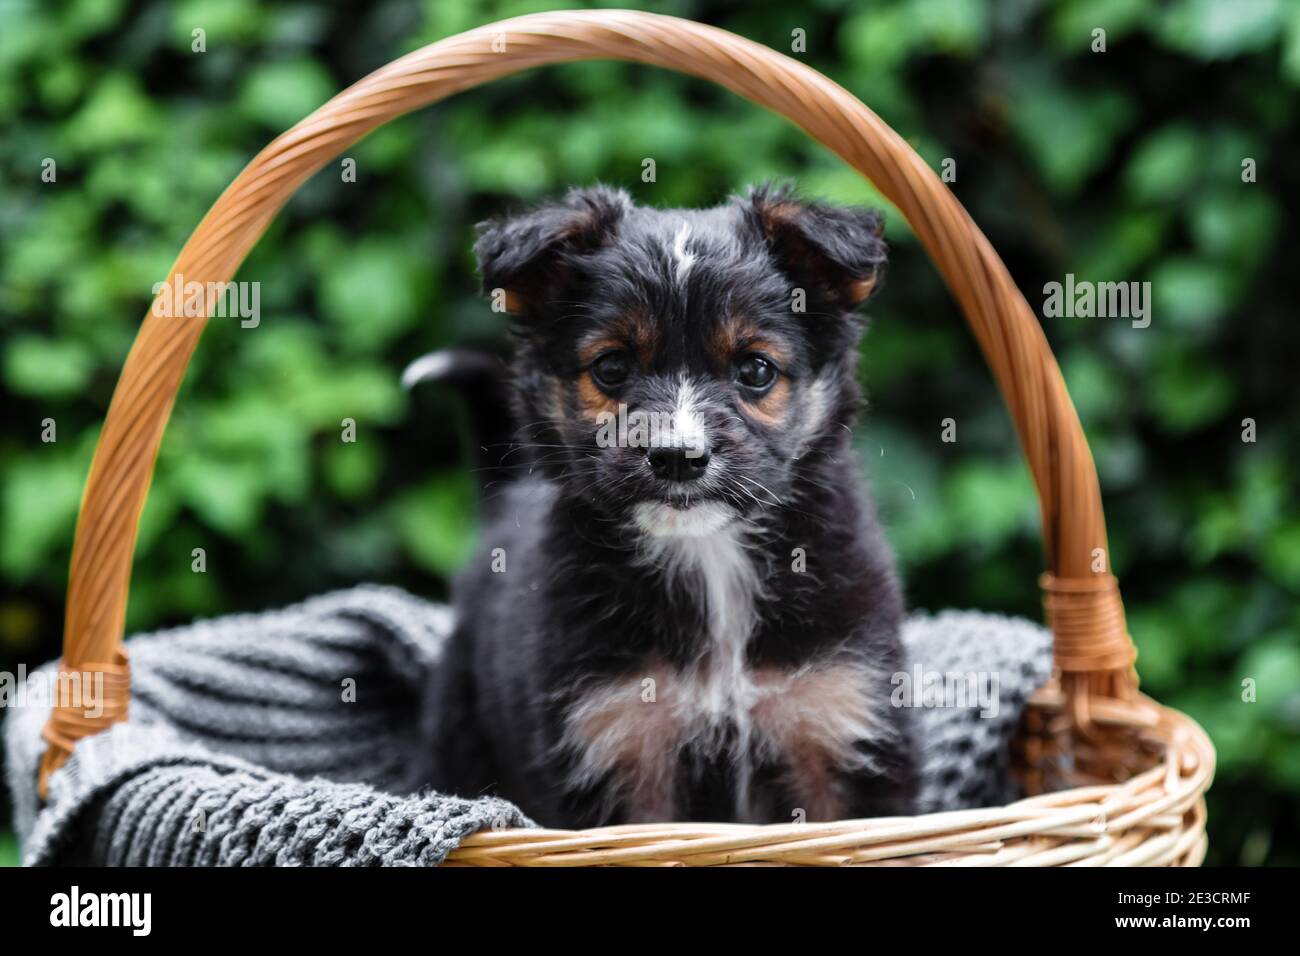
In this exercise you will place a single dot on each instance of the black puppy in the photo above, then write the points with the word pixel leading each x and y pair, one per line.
pixel 683 608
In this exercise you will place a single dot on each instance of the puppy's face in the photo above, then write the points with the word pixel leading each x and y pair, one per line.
pixel 674 365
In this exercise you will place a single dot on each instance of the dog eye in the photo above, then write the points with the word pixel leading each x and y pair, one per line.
pixel 755 372
pixel 611 369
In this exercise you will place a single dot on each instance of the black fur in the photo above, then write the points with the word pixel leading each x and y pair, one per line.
pixel 577 604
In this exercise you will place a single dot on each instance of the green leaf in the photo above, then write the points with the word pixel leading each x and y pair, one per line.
pixel 1281 555
pixel 1094 384
pixel 117 113
pixel 278 94
pixel 227 495
pixel 1239 224
pixel 437 522
pixel 47 368
pixel 951 26
pixel 1188 390
pixel 1274 664
pixel 352 468
pixel 1291 46
pixel 1211 29
pixel 1190 294
pixel 1074 20
pixel 87 18
pixel 1165 165
pixel 223 21
pixel 8 849
pixel 989 503
pixel 38 507
pixel 1046 115
pixel 878 37
pixel 371 294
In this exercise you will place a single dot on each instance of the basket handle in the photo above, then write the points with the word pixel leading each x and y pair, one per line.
pixel 1083 605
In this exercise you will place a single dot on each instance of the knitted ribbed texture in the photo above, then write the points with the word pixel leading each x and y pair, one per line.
pixel 242 748
pixel 966 760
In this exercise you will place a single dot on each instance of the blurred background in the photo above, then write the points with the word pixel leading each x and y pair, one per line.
pixel 1123 165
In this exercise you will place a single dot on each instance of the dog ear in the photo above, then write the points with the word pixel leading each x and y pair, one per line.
pixel 835 252
pixel 525 255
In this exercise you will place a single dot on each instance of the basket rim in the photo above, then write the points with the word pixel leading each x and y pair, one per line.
pixel 1156 817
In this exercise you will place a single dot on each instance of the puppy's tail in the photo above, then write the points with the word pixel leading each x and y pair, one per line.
pixel 482 379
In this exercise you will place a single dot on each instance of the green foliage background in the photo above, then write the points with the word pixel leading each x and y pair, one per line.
pixel 1116 166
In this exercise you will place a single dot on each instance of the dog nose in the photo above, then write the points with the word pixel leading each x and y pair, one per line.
pixel 677 463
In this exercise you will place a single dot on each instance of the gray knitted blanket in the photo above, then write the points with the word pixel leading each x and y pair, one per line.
pixel 284 739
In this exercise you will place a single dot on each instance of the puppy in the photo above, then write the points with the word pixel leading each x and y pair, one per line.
pixel 683 607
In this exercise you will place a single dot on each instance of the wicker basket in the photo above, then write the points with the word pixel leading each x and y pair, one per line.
pixel 1119 779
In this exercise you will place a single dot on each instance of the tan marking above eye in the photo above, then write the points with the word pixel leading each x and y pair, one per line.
pixel 589 350
pixel 738 336
pixel 730 336
pixel 640 333
pixel 631 333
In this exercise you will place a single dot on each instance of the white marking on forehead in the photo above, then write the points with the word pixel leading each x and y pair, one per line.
pixel 682 259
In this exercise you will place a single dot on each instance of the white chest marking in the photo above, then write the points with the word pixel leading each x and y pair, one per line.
pixel 719 569
pixel 809 721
